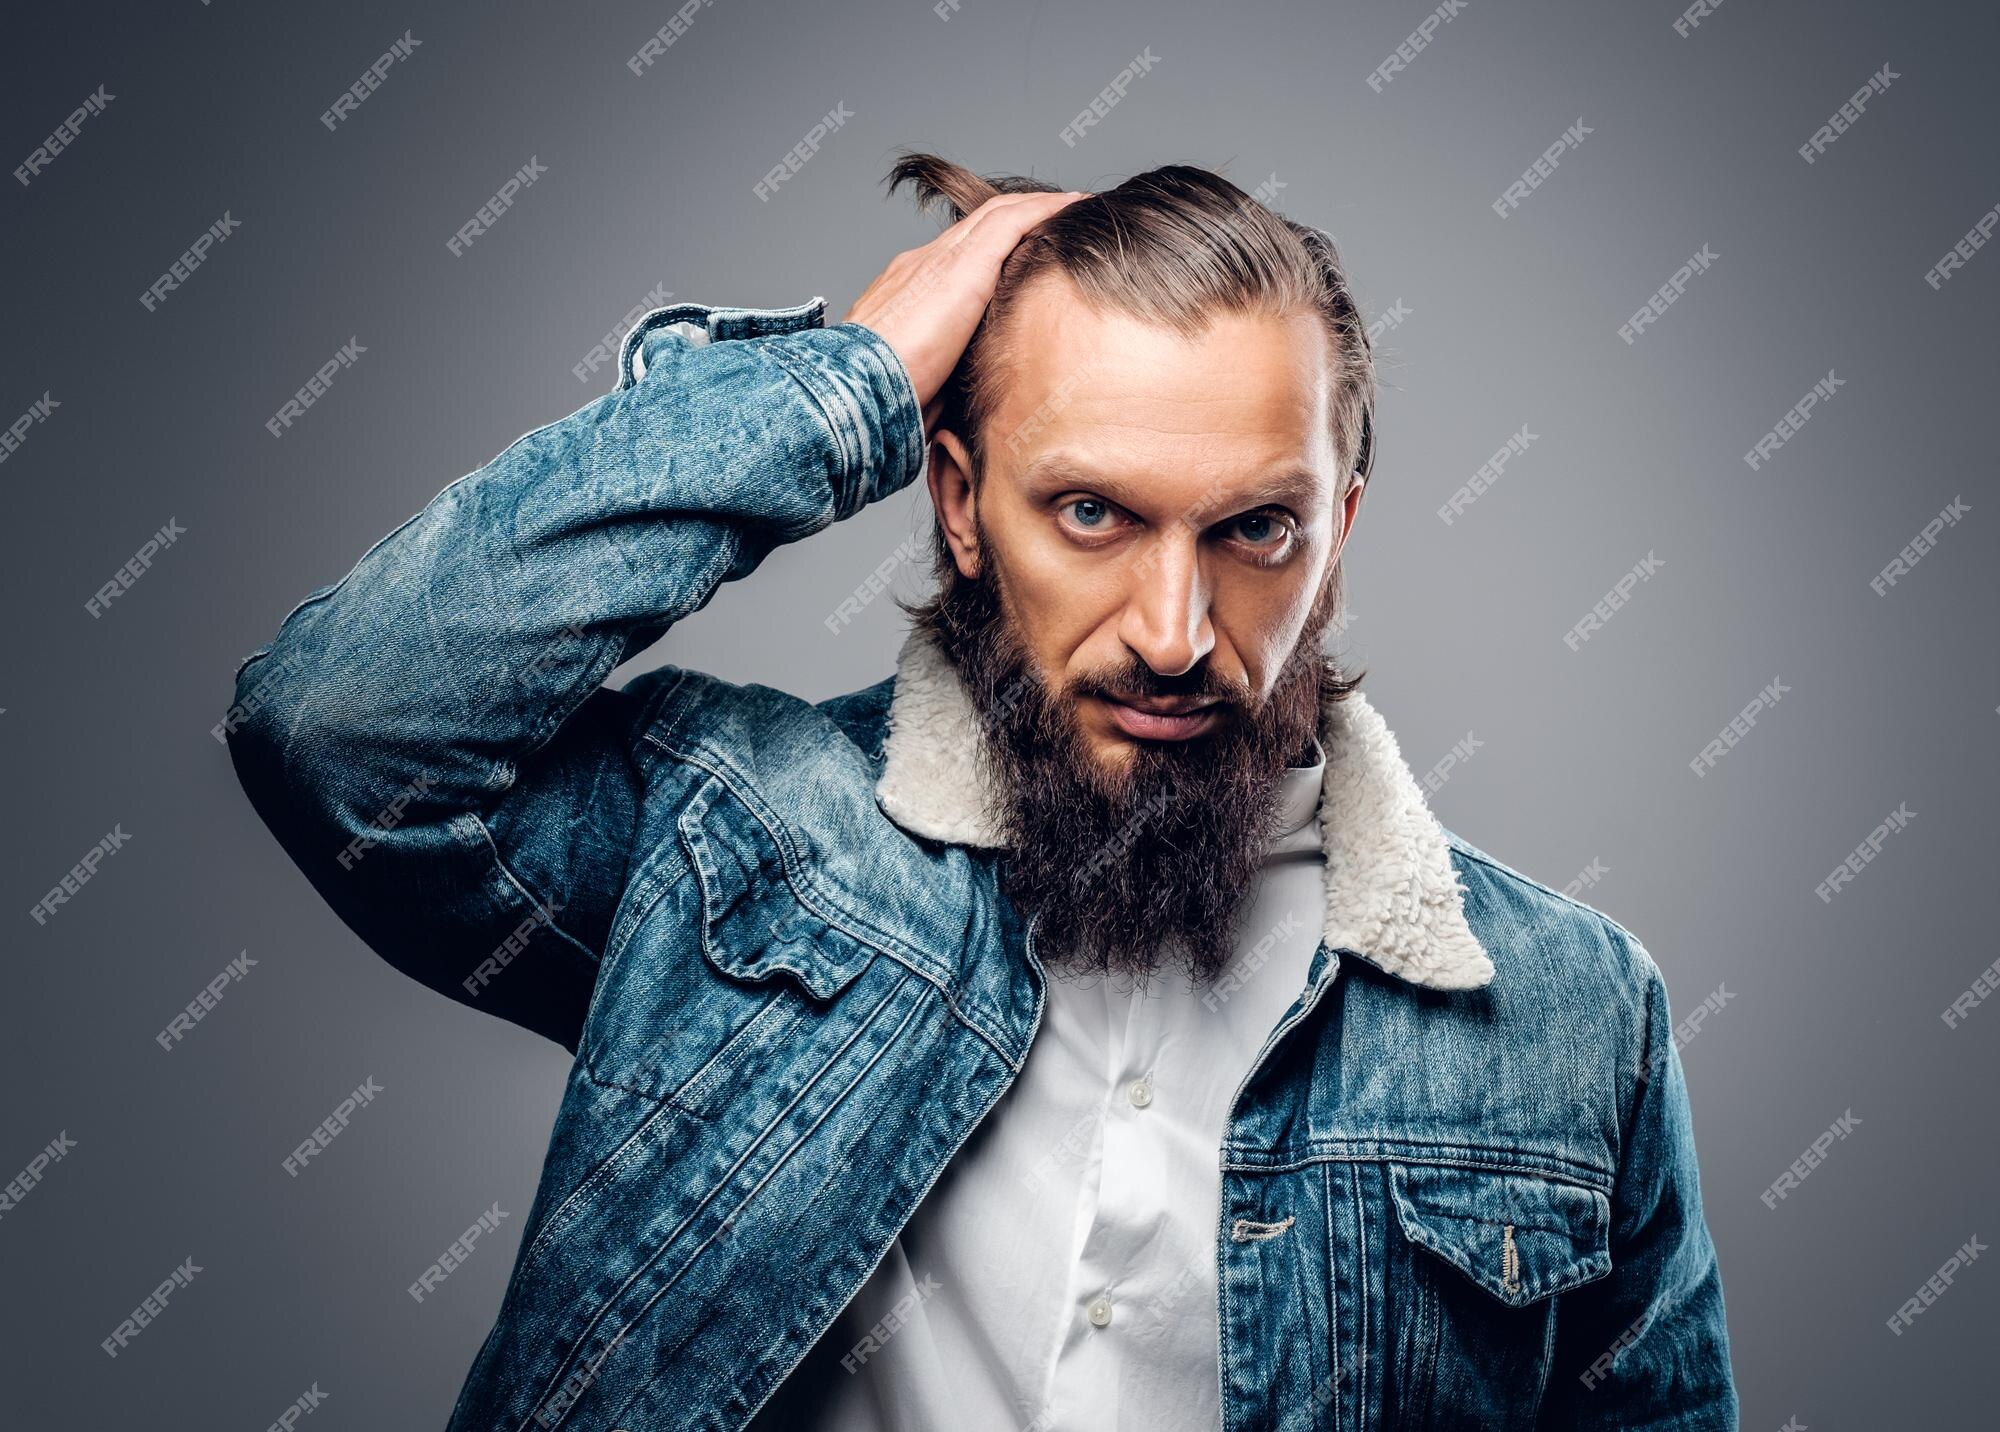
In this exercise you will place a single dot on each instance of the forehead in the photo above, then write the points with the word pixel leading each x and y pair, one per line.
pixel 1247 398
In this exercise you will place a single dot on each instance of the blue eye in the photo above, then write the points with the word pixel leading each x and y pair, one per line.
pixel 1090 511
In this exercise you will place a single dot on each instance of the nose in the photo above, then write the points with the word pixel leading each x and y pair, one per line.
pixel 1165 621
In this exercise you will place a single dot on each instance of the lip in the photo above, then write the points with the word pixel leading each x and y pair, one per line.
pixel 1162 720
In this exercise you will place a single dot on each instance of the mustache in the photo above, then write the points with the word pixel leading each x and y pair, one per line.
pixel 1135 678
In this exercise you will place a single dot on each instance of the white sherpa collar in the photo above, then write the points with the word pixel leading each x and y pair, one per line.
pixel 1392 895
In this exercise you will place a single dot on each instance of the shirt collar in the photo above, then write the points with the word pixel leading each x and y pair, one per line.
pixel 1392 894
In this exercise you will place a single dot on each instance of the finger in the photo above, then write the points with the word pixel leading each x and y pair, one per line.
pixel 994 234
pixel 1009 208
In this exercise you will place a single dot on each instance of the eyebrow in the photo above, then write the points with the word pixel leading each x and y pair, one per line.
pixel 1297 487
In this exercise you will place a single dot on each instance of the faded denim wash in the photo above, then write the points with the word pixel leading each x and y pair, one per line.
pixel 788 1013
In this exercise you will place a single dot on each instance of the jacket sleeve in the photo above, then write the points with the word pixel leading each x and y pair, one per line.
pixel 1646 1348
pixel 428 738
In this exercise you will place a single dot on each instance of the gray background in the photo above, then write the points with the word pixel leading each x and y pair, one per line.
pixel 1584 754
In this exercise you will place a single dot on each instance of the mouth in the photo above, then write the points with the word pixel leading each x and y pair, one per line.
pixel 1163 719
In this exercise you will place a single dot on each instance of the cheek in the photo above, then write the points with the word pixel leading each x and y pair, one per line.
pixel 1057 598
pixel 1260 618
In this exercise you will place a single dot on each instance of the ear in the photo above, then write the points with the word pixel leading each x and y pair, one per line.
pixel 954 498
pixel 1350 512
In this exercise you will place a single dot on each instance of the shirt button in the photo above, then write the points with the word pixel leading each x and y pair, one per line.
pixel 1141 1093
pixel 1100 1310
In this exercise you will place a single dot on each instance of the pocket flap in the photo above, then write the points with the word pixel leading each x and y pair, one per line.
pixel 1519 1236
pixel 753 923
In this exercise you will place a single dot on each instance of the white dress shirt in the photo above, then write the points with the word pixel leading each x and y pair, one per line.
pixel 1060 1275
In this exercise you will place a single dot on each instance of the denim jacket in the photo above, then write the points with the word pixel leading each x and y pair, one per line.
pixel 771 931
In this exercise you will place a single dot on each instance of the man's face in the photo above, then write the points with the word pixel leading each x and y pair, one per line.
pixel 1146 573
pixel 1178 502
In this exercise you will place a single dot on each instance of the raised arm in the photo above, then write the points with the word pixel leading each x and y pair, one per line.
pixel 427 737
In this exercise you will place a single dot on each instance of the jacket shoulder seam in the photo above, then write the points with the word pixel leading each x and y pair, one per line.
pixel 1479 857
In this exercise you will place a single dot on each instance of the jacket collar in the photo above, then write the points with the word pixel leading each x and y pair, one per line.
pixel 1392 894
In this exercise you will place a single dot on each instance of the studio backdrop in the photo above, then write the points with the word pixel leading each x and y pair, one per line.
pixel 1676 579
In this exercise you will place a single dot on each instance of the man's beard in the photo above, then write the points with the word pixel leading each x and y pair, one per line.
pixel 1134 869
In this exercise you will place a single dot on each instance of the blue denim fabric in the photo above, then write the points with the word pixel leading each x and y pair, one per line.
pixel 788 1014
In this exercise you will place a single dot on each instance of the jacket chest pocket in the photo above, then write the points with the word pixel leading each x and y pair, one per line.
pixel 730 974
pixel 1472 1327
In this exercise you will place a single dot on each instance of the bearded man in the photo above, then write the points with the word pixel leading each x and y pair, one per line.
pixel 1088 1026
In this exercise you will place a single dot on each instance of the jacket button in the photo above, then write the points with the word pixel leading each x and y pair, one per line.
pixel 1100 1310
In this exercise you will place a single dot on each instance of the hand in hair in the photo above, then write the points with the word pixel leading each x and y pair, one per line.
pixel 929 300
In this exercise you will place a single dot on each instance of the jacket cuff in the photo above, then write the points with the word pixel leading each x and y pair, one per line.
pixel 870 403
